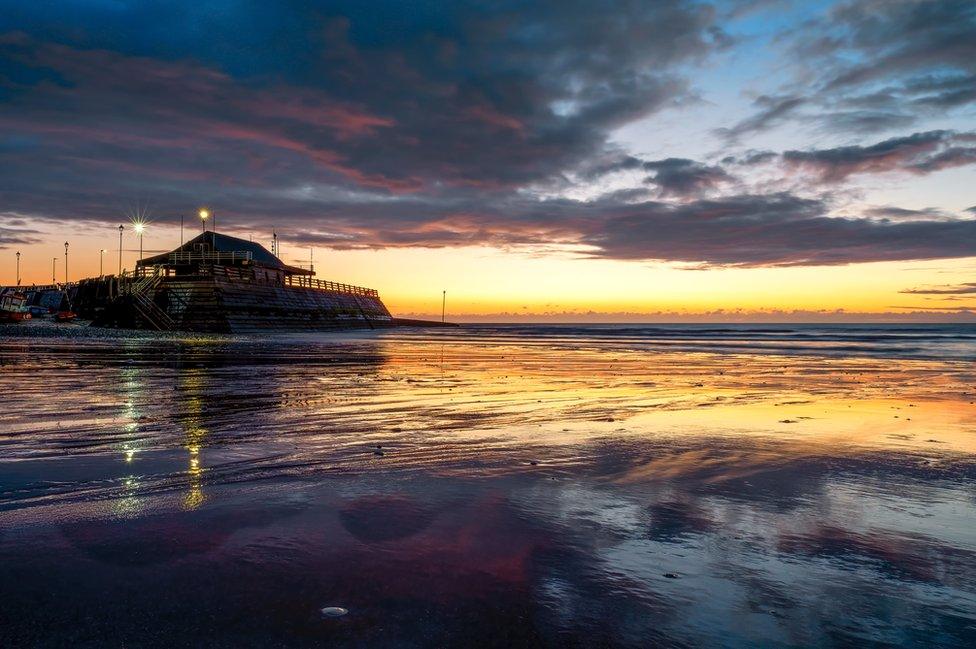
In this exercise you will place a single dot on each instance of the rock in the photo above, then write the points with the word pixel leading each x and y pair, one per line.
pixel 534 463
pixel 334 611
pixel 378 453
pixel 670 575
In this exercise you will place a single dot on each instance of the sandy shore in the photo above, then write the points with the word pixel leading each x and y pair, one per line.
pixel 564 489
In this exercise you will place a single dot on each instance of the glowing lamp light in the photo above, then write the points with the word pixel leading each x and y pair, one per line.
pixel 140 228
pixel 204 214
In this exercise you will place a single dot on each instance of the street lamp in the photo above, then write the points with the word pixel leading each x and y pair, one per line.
pixel 18 268
pixel 65 262
pixel 121 228
pixel 204 215
pixel 54 271
pixel 140 227
pixel 101 262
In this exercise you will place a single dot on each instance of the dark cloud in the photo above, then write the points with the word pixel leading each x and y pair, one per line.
pixel 743 230
pixel 683 177
pixel 904 214
pixel 13 232
pixel 432 125
pixel 771 111
pixel 750 158
pixel 919 153
pixel 613 162
pixel 942 92
pixel 961 289
pixel 956 156
pixel 866 121
pixel 455 93
pixel 891 61
pixel 773 230
pixel 895 37
pixel 673 176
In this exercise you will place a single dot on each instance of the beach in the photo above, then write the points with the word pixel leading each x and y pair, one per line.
pixel 530 485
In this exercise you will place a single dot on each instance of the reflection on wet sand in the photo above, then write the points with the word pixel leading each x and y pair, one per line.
pixel 482 490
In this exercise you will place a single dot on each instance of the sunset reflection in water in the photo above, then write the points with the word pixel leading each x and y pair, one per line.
pixel 479 488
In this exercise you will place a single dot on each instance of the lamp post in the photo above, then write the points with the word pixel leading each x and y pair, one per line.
pixel 54 271
pixel 204 214
pixel 18 268
pixel 443 305
pixel 101 262
pixel 121 228
pixel 140 228
pixel 65 262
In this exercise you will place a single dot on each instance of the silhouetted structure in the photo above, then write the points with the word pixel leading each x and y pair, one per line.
pixel 219 283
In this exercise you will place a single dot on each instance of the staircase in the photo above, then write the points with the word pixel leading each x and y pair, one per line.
pixel 140 293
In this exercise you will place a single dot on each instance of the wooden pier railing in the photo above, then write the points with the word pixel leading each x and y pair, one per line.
pixel 325 285
pixel 246 273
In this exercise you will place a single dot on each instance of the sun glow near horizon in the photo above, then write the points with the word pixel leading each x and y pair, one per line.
pixel 518 283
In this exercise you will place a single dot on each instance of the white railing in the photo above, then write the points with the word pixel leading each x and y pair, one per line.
pixel 186 257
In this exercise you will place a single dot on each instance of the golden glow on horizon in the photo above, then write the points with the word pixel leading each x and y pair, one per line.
pixel 482 281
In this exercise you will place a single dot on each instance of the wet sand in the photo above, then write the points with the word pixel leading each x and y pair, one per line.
pixel 488 487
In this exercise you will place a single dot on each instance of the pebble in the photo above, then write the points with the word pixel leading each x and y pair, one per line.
pixel 670 575
pixel 334 611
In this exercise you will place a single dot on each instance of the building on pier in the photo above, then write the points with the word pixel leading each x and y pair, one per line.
pixel 219 283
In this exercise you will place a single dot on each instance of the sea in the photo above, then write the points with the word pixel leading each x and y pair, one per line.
pixel 707 485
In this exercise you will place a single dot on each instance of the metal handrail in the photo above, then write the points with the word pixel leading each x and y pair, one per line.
pixel 189 256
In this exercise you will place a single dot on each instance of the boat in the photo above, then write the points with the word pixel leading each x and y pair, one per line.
pixel 13 306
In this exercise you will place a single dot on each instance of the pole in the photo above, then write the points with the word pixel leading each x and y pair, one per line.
pixel 181 230
pixel 443 306
pixel 101 263
pixel 140 246
pixel 65 262
pixel 121 228
pixel 54 271
pixel 18 268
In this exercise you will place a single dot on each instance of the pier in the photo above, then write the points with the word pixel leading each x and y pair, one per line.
pixel 221 284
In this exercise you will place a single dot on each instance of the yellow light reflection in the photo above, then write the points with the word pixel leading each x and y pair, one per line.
pixel 192 385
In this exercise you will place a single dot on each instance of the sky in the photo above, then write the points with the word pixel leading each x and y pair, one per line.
pixel 540 161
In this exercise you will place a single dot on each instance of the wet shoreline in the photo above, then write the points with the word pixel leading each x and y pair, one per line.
pixel 485 488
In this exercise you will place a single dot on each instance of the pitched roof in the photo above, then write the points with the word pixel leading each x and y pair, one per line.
pixel 224 243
